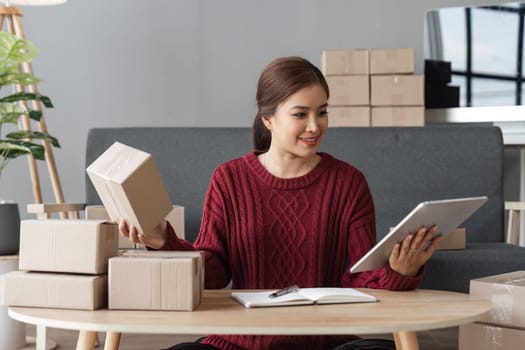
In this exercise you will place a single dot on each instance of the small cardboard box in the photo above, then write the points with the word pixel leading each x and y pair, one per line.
pixel 130 187
pixel 398 116
pixel 98 212
pixel 455 240
pixel 480 336
pixel 64 291
pixel 73 246
pixel 397 90
pixel 349 90
pixel 392 61
pixel 344 62
pixel 358 116
pixel 507 292
pixel 175 218
pixel 156 280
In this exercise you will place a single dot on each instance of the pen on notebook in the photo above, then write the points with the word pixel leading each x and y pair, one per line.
pixel 284 291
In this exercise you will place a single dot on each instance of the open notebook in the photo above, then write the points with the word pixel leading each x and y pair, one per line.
pixel 303 296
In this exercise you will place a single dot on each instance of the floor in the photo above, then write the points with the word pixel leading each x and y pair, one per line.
pixel 444 339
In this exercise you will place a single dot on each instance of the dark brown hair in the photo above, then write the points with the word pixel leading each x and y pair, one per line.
pixel 280 79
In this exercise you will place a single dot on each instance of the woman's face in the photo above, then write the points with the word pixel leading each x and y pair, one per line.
pixel 300 122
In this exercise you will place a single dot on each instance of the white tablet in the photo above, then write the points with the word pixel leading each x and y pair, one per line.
pixel 447 214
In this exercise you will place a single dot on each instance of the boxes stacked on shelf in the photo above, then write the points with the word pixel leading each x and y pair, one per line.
pixel 63 264
pixel 504 326
pixel 438 94
pixel 347 75
pixel 375 87
pixel 156 280
pixel 397 94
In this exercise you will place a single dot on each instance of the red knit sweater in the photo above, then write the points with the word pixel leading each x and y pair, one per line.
pixel 261 231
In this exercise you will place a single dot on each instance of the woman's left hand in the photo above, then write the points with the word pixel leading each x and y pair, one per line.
pixel 410 255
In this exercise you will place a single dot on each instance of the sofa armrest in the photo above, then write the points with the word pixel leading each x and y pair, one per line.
pixel 44 210
pixel 514 209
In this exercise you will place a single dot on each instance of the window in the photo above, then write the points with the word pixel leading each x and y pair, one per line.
pixel 485 47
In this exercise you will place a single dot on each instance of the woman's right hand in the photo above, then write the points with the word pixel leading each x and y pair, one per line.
pixel 155 239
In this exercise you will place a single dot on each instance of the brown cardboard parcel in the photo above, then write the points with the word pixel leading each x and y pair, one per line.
pixel 507 292
pixel 344 62
pixel 130 187
pixel 53 290
pixel 392 61
pixel 358 116
pixel 156 280
pixel 175 218
pixel 481 336
pixel 397 90
pixel 349 90
pixel 398 116
pixel 73 246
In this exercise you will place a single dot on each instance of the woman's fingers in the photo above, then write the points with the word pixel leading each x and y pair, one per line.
pixel 129 231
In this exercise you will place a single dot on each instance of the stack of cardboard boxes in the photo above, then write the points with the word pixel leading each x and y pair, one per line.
pixel 130 186
pixel 504 327
pixel 76 264
pixel 374 88
pixel 63 264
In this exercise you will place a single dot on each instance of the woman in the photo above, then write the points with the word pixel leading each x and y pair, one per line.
pixel 285 214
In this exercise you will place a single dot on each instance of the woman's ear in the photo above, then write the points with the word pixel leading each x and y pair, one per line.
pixel 267 122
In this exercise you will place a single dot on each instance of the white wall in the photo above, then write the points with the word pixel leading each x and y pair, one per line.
pixel 183 62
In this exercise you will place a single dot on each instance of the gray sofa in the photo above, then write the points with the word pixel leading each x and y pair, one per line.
pixel 404 166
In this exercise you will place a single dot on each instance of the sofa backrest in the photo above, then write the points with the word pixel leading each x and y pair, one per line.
pixel 403 166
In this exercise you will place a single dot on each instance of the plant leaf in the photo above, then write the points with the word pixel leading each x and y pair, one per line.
pixel 11 112
pixel 14 50
pixel 26 134
pixel 28 96
pixel 14 149
pixel 12 78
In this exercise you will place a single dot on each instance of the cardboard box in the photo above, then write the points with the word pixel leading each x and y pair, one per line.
pixel 345 62
pixel 397 90
pixel 130 187
pixel 398 116
pixel 156 280
pixel 64 291
pixel 175 218
pixel 358 116
pixel 98 212
pixel 455 240
pixel 74 246
pixel 507 292
pixel 480 336
pixel 349 90
pixel 392 61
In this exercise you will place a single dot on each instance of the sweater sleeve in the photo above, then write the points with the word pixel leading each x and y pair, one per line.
pixel 211 239
pixel 362 238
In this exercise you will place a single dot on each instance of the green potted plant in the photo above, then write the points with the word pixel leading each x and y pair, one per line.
pixel 14 143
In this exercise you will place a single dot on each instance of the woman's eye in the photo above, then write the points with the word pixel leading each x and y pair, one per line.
pixel 323 113
pixel 299 115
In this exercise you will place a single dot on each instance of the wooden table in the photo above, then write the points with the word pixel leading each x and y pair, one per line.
pixel 400 313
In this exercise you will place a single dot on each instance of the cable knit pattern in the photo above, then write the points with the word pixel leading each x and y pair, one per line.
pixel 262 231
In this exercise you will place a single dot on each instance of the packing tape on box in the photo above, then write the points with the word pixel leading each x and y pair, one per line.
pixel 502 304
pixel 494 337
